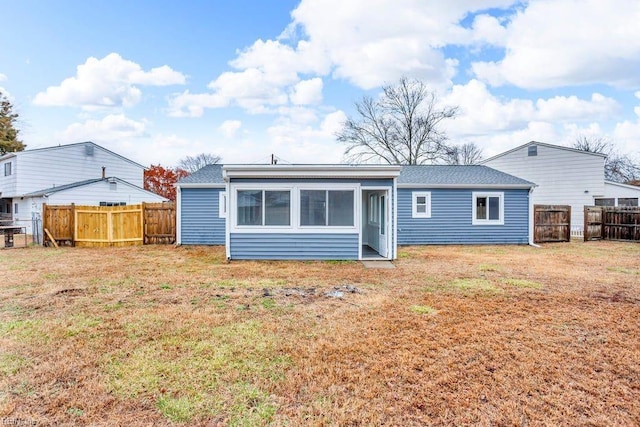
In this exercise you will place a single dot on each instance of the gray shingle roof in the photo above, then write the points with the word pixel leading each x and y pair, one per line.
pixel 423 174
pixel 64 187
pixel 457 175
pixel 210 174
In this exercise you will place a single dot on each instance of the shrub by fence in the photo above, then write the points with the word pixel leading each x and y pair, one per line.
pixel 612 223
pixel 146 223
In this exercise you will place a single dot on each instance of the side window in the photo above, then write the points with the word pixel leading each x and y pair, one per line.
pixel 7 169
pixel 222 204
pixel 488 209
pixel 421 204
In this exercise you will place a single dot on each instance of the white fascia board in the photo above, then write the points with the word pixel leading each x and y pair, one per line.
pixel 619 184
pixel 200 185
pixel 309 171
pixel 472 186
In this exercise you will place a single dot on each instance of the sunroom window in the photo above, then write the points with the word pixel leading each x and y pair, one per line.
pixel 264 208
pixel 327 208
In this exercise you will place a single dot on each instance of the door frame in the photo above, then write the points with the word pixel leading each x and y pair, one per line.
pixel 387 191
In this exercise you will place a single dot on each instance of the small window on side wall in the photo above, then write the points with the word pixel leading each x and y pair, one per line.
pixel 7 169
pixel 533 150
pixel 628 201
pixel 421 204
pixel 605 202
pixel 222 205
pixel 488 209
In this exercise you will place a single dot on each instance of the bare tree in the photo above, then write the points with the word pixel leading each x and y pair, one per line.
pixel 617 167
pixel 401 127
pixel 194 163
pixel 465 154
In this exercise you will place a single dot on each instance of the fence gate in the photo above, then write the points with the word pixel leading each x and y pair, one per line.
pixel 551 223
pixel 593 223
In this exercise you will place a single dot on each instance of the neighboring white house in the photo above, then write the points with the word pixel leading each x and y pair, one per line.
pixel 563 176
pixel 82 173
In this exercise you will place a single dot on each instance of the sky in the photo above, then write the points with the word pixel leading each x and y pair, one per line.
pixel 158 80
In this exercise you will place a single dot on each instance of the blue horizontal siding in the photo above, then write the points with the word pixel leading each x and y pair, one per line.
pixel 200 222
pixel 451 219
pixel 298 246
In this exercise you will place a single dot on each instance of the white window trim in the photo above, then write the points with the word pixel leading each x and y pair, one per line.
pixel 262 188
pixel 295 208
pixel 414 204
pixel 474 220
pixel 222 204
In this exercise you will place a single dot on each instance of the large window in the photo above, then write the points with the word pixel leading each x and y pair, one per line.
pixel 488 209
pixel 264 207
pixel 421 204
pixel 327 208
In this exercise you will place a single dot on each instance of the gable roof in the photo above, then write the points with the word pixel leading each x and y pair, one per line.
pixel 57 147
pixel 422 175
pixel 473 176
pixel 210 174
pixel 557 147
pixel 59 188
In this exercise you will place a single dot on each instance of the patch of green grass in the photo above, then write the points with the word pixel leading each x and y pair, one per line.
pixel 165 286
pixel 51 276
pixel 251 406
pixel 178 410
pixel 523 283
pixel 340 262
pixel 623 270
pixel 482 285
pixel 404 254
pixel 195 364
pixel 27 329
pixel 76 412
pixel 10 364
pixel 423 309
pixel 82 325
pixel 488 267
pixel 268 303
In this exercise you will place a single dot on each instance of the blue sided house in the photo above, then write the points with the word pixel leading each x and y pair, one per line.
pixel 349 212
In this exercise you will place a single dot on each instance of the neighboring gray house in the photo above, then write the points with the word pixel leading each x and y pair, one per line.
pixel 349 212
pixel 82 173
pixel 565 176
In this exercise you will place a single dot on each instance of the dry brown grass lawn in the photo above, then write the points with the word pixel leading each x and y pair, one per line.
pixel 458 335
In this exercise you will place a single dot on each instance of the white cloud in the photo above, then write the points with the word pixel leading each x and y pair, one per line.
pixel 367 43
pixel 307 92
pixel 3 77
pixel 111 128
pixel 229 128
pixel 569 42
pixel 481 112
pixel 108 82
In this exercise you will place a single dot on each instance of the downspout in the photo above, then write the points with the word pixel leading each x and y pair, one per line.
pixel 394 247
pixel 531 219
pixel 178 215
pixel 227 221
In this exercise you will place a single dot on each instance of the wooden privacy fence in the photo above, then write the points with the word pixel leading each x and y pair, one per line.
pixel 551 223
pixel 146 223
pixel 612 223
